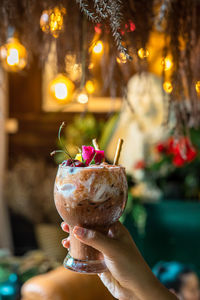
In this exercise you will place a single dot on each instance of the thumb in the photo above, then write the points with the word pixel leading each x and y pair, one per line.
pixel 95 239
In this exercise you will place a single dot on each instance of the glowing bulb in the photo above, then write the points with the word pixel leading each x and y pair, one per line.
pixel 98 47
pixel 143 53
pixel 61 88
pixel 90 88
pixel 167 86
pixel 167 63
pixel 82 98
pixel 122 58
pixel 51 21
pixel 13 55
pixel 197 86
pixel 61 91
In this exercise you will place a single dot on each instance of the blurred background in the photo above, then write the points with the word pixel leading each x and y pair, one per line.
pixel 109 70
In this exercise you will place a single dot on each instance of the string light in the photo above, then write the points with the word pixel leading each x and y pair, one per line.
pixel 61 88
pixel 82 98
pixel 51 21
pixel 167 63
pixel 167 86
pixel 90 87
pixel 197 86
pixel 98 48
pixel 13 55
pixel 122 58
pixel 143 53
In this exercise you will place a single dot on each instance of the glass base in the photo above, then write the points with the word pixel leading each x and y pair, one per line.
pixel 84 266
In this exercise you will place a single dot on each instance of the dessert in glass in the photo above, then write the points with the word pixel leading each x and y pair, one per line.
pixel 90 195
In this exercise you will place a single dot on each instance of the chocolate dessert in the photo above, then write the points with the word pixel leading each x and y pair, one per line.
pixel 92 194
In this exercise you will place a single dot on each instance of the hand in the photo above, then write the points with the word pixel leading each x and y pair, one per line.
pixel 128 276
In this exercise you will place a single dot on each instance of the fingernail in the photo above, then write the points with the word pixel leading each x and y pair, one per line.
pixel 61 225
pixel 63 241
pixel 79 231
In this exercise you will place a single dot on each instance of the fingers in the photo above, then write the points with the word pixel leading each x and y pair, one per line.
pixel 64 227
pixel 66 243
pixel 104 244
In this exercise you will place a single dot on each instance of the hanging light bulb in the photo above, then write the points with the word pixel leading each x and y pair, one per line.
pixel 82 97
pixel 197 86
pixel 167 86
pixel 51 21
pixel 61 88
pixel 98 47
pixel 13 55
pixel 90 87
pixel 143 53
pixel 167 63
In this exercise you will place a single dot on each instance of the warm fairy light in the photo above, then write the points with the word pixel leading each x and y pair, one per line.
pixel 61 91
pixel 167 63
pixel 167 86
pixel 197 86
pixel 82 98
pixel 143 53
pixel 90 88
pixel 13 55
pixel 91 66
pixel 122 58
pixel 98 47
pixel 61 88
pixel 52 20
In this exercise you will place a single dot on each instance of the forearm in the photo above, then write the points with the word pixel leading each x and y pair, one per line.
pixel 145 285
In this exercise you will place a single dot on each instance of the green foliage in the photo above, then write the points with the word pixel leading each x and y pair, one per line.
pixel 80 132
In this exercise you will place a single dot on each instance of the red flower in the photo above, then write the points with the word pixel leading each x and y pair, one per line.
pixel 178 161
pixel 161 147
pixel 191 154
pixel 182 150
pixel 140 164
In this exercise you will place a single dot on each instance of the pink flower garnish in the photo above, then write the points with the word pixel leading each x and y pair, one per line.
pixel 88 153
pixel 99 156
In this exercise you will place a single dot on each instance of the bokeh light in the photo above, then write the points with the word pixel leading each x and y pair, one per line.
pixel 51 21
pixel 13 55
pixel 98 48
pixel 61 88
pixel 90 87
pixel 197 86
pixel 82 98
pixel 167 86
pixel 143 53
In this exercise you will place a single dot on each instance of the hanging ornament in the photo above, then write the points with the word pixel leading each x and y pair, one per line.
pixel 13 55
pixel 61 89
pixel 51 21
